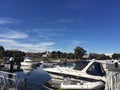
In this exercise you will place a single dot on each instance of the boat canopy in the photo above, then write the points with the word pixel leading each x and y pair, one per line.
pixel 95 68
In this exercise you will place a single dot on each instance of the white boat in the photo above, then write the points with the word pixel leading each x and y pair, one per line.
pixel 84 70
pixel 89 72
pixel 83 86
pixel 46 64
pixel 29 62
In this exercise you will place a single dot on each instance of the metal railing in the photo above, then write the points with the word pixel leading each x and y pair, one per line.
pixel 112 81
pixel 8 79
pixel 11 80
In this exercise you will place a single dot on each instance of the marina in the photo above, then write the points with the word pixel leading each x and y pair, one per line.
pixel 59 45
pixel 78 75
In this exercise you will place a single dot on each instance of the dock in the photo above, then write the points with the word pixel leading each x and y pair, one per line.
pixel 11 81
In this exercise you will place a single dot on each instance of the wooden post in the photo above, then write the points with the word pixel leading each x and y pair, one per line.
pixel 25 84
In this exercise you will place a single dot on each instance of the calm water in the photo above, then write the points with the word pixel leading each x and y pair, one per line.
pixel 36 77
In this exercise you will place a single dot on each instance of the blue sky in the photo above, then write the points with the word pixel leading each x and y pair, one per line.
pixel 40 25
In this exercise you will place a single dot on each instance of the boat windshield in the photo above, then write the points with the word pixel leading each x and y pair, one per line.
pixel 80 65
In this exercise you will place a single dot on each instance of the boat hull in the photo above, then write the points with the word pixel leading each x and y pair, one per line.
pixel 83 86
pixel 61 75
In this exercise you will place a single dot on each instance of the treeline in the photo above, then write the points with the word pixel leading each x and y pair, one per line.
pixel 103 56
pixel 6 54
pixel 99 56
pixel 79 53
pixel 116 56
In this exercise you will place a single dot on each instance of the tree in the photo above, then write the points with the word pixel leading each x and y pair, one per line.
pixel 64 55
pixel 93 56
pixel 56 54
pixel 59 54
pixel 101 57
pixel 53 54
pixel 116 56
pixel 79 52
pixel 70 56
pixel 98 56
pixel 1 52
pixel 8 53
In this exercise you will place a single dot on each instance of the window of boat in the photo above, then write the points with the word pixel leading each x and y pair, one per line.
pixel 80 65
pixel 96 69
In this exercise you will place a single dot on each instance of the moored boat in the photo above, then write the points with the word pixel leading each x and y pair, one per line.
pixel 29 62
pixel 85 70
pixel 90 74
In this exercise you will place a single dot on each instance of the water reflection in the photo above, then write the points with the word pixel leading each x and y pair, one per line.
pixel 27 69
pixel 35 73
pixel 35 76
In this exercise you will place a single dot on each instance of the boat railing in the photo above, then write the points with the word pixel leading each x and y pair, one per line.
pixel 8 79
pixel 113 81
pixel 11 80
pixel 2 82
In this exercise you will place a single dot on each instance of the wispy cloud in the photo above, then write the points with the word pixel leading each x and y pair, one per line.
pixel 73 43
pixel 11 39
pixel 37 47
pixel 4 21
pixel 48 33
pixel 9 33
pixel 7 41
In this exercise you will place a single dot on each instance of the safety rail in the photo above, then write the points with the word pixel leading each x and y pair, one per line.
pixel 8 79
pixel 2 82
pixel 112 80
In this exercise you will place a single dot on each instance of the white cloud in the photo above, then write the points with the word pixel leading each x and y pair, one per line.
pixel 8 21
pixel 6 41
pixel 37 47
pixel 44 44
pixel 8 33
